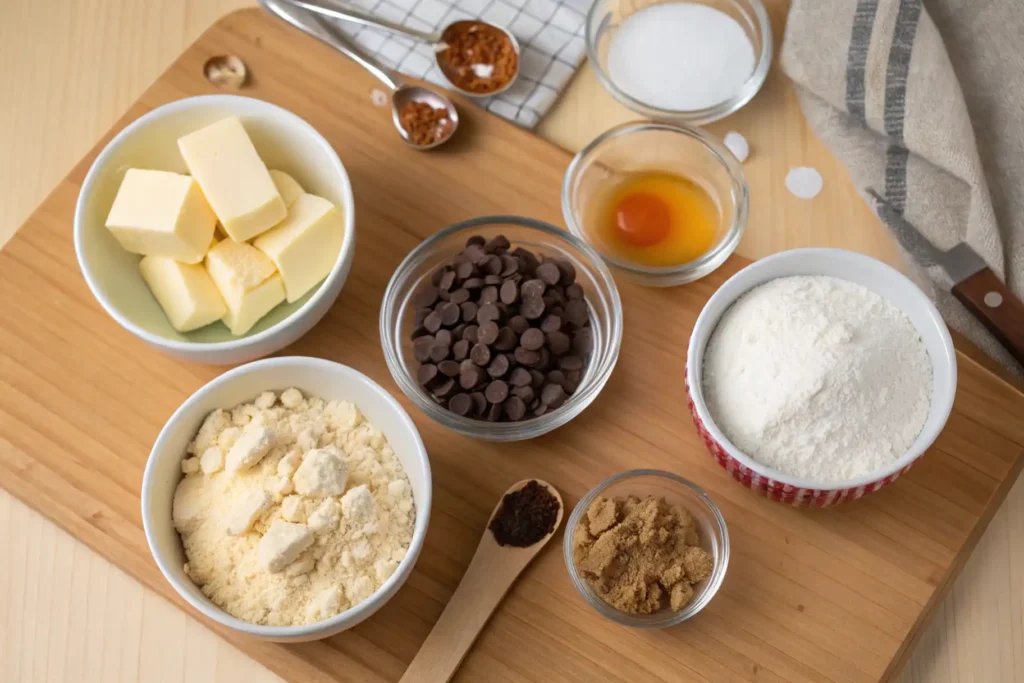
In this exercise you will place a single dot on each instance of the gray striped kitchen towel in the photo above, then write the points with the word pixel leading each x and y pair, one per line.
pixel 924 106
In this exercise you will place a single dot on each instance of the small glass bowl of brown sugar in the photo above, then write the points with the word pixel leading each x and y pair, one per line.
pixel 647 586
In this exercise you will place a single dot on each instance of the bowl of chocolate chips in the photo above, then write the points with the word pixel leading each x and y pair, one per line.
pixel 502 328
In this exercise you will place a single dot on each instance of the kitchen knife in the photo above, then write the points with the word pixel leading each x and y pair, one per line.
pixel 974 284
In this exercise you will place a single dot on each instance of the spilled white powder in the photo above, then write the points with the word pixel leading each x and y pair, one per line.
pixel 680 56
pixel 378 97
pixel 804 182
pixel 737 144
pixel 818 378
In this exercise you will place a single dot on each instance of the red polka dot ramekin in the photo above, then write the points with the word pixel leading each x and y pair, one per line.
pixel 853 267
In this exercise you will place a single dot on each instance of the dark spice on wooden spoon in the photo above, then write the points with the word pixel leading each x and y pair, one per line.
pixel 526 516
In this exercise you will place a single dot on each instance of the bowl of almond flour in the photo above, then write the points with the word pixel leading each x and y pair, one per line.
pixel 816 376
pixel 287 499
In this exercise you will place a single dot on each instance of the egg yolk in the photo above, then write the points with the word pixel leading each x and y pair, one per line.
pixel 642 219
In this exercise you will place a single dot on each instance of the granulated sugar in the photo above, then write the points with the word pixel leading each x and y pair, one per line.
pixel 680 56
pixel 817 377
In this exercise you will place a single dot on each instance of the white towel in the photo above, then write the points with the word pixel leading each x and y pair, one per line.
pixel 550 35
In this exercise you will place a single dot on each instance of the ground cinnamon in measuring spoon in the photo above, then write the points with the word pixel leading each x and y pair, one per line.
pixel 525 516
pixel 424 124
pixel 479 58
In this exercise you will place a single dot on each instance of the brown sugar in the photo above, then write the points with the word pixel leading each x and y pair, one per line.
pixel 479 58
pixel 640 555
pixel 424 124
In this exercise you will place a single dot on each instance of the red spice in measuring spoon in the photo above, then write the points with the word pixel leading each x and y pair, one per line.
pixel 479 58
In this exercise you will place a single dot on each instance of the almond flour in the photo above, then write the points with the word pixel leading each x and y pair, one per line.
pixel 291 510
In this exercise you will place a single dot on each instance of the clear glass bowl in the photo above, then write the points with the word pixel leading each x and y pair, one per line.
pixel 642 147
pixel 397 311
pixel 714 538
pixel 603 21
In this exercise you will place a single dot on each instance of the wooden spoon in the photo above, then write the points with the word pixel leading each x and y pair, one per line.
pixel 489 576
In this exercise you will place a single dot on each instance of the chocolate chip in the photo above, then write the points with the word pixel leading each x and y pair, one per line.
pixel 473 283
pixel 509 265
pixel 507 339
pixel 570 386
pixel 567 270
pixel 533 289
pixel 480 354
pixel 457 331
pixel 488 333
pixel 474 253
pixel 573 375
pixel 574 291
pixel 583 340
pixel 525 393
pixel 426 373
pixel 487 313
pixel 544 361
pixel 556 377
pixel 469 310
pixel 532 308
pixel 515 408
pixel 498 366
pixel 558 342
pixel 576 312
pixel 552 323
pixel 509 292
pixel 527 357
pixel 443 337
pixel 447 280
pixel 548 272
pixel 465 270
pixel 460 404
pixel 471 333
pixel 460 350
pixel 570 362
pixel 435 277
pixel 497 391
pixel 540 410
pixel 478 240
pixel 552 395
pixel 489 294
pixel 532 339
pixel 536 379
pixel 519 324
pixel 426 296
pixel 450 314
pixel 467 363
pixel 448 368
pixel 479 402
pixel 459 296
pixel 491 279
pixel 438 352
pixel 494 412
pixel 444 388
pixel 469 377
pixel 421 348
pixel 494 265
pixel 432 322
pixel 520 377
pixel 498 243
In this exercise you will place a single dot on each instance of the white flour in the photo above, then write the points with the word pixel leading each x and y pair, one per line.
pixel 818 378
pixel 681 56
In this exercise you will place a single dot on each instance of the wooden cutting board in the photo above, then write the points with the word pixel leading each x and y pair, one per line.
pixel 835 595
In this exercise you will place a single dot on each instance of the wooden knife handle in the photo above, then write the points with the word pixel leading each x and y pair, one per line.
pixel 992 302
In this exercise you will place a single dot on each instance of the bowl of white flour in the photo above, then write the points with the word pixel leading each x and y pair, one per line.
pixel 287 499
pixel 815 376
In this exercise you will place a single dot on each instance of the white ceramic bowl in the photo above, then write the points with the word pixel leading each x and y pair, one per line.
pixel 284 141
pixel 314 377
pixel 879 278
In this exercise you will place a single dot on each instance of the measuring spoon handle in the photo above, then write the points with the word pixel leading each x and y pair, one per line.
pixel 331 8
pixel 315 26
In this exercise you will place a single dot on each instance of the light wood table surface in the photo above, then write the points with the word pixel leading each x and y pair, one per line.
pixel 70 69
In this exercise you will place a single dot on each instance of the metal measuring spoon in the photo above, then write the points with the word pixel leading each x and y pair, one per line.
pixel 401 93
pixel 438 41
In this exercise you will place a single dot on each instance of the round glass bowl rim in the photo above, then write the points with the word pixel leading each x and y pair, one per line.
pixel 708 261
pixel 743 94
pixel 647 621
pixel 502 431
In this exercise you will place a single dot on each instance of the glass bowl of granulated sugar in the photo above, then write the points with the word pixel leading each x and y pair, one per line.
pixel 687 62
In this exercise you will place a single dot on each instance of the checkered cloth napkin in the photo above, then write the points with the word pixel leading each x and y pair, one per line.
pixel 550 35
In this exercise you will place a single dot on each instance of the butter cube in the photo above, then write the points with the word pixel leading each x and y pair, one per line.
pixel 286 186
pixel 247 280
pixel 156 213
pixel 305 246
pixel 185 292
pixel 234 179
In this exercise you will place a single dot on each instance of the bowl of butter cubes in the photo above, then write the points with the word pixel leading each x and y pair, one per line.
pixel 217 228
